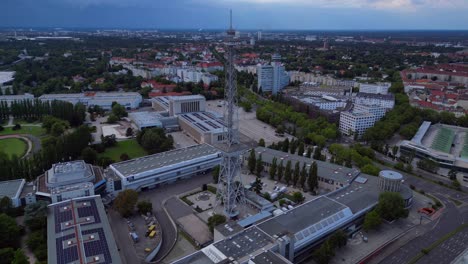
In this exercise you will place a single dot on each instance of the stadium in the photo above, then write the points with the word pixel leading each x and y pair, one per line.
pixel 444 144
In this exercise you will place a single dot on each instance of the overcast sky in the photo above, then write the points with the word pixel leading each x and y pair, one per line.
pixel 248 14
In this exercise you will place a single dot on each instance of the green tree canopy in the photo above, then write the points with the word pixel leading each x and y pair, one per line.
pixel 125 202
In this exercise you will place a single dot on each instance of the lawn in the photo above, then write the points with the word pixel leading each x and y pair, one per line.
pixel 33 130
pixel 13 146
pixel 131 147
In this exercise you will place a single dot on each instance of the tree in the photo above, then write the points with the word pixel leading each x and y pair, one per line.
pixel 259 166
pixel 6 206
pixel 372 220
pixel 89 155
pixel 252 161
pixel 20 257
pixel 257 186
pixel 317 153
pixel 287 172
pixel 6 254
pixel 119 111
pixel 9 232
pixel 298 197
pixel 428 165
pixel 129 132
pixel 109 141
pixel 273 169
pixel 112 119
pixel 154 140
pixel 313 178
pixel 35 215
pixel 324 254
pixel 391 206
pixel 261 142
pixel 215 172
pixel 309 152
pixel 280 171
pixel 370 169
pixel 125 202
pixel 124 157
pixel 145 207
pixel 285 145
pixel 300 149
pixel 452 174
pixel 296 174
pixel 303 176
pixel 395 150
pixel 216 220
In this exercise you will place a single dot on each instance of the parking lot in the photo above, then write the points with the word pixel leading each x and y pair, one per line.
pixel 249 125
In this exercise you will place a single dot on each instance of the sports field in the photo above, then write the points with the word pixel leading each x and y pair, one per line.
pixel 13 146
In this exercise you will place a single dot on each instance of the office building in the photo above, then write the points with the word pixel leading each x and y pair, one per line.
pixel 13 189
pixel 360 118
pixel 383 100
pixel 186 104
pixel 78 231
pixel 374 88
pixel 162 168
pixel 272 78
pixel 130 100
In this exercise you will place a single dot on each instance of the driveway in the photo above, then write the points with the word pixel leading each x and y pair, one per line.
pixel 165 193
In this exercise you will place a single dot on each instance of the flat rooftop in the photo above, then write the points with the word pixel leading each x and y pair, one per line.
pixel 10 188
pixel 78 231
pixel 164 159
pixel 146 119
pixel 186 97
pixel 6 76
pixel 269 257
pixel 162 100
pixel 205 122
pixel 324 169
pixel 301 217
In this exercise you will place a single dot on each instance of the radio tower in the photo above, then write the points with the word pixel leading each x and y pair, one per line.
pixel 230 188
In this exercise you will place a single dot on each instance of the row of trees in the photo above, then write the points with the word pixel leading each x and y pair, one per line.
pixel 287 146
pixel 33 110
pixel 298 176
pixel 361 156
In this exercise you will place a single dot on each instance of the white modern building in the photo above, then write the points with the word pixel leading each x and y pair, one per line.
pixel 325 102
pixel 384 100
pixel 360 118
pixel 272 78
pixel 186 104
pixel 162 168
pixel 374 88
pixel 6 77
pixel 12 98
pixel 195 76
pixel 130 100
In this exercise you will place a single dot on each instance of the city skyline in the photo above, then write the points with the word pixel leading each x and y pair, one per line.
pixel 248 14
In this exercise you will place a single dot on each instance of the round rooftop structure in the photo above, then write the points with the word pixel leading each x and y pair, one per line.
pixel 390 181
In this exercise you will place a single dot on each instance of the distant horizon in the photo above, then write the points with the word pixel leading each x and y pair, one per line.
pixel 321 15
pixel 36 28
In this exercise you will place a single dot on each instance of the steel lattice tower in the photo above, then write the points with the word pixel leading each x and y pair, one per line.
pixel 230 188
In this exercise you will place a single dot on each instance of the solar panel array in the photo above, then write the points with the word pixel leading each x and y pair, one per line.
pixel 88 208
pixel 97 247
pixel 66 255
pixel 62 216
pixel 329 221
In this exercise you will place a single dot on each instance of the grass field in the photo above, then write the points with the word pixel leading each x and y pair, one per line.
pixel 33 130
pixel 131 147
pixel 13 146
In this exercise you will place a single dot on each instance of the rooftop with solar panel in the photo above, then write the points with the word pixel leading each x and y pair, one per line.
pixel 79 232
pixel 445 144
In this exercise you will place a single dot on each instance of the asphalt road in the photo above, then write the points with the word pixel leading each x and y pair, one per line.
pixel 450 219
pixel 159 195
pixel 124 243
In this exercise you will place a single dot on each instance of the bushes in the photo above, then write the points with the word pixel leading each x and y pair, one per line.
pixel 215 220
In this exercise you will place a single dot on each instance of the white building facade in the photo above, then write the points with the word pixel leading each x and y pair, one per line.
pixel 272 78
pixel 358 120
pixel 374 88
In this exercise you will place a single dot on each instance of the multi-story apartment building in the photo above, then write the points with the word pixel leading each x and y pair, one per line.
pixel 272 78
